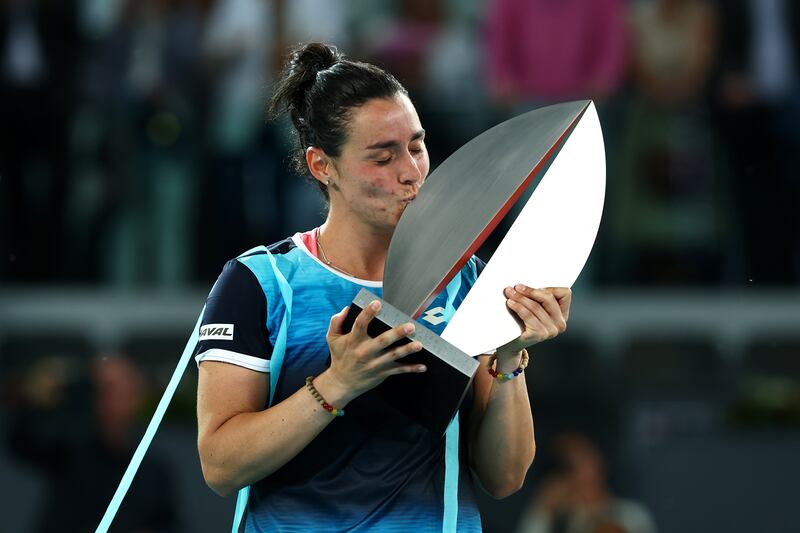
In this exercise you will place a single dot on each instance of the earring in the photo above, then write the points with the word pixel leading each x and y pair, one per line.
pixel 328 183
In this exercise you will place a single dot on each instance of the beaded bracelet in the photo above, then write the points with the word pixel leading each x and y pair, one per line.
pixel 317 396
pixel 511 375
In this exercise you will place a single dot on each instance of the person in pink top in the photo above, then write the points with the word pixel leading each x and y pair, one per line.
pixel 543 51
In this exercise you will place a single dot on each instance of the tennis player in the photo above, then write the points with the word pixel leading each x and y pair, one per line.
pixel 282 415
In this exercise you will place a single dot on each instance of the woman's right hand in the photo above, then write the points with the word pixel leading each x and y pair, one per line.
pixel 360 362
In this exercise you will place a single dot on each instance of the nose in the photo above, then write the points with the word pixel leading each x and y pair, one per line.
pixel 410 173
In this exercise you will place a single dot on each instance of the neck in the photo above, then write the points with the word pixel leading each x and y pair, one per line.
pixel 354 247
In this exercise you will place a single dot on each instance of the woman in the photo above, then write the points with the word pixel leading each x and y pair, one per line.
pixel 307 468
pixel 667 208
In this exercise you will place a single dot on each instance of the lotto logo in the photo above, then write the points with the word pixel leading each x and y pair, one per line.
pixel 434 316
pixel 222 332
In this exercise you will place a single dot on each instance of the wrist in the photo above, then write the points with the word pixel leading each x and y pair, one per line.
pixel 508 361
pixel 333 390
pixel 501 369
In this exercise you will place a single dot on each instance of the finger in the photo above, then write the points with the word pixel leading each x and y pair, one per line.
pixel 549 322
pixel 546 300
pixel 387 338
pixel 564 297
pixel 534 317
pixel 395 369
pixel 527 313
pixel 553 308
pixel 533 300
pixel 337 323
pixel 559 292
pixel 364 318
pixel 395 354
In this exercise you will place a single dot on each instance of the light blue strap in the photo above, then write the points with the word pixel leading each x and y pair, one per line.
pixel 150 432
pixel 450 519
pixel 263 276
pixel 241 505
pixel 278 350
pixel 451 477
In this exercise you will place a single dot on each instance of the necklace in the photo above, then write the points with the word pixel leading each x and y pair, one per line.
pixel 328 261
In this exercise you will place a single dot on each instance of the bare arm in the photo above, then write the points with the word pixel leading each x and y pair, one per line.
pixel 240 442
pixel 502 437
pixel 502 444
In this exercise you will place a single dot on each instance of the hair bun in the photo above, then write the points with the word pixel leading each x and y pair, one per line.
pixel 314 57
pixel 299 75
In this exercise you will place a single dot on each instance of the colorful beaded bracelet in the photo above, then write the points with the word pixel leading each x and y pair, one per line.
pixel 511 375
pixel 317 396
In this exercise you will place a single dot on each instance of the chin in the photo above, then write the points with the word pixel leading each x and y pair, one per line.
pixel 402 210
pixel 384 225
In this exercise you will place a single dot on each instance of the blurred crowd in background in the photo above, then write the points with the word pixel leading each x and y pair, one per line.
pixel 135 155
pixel 135 146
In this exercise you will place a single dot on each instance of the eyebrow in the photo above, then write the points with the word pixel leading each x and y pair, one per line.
pixel 393 143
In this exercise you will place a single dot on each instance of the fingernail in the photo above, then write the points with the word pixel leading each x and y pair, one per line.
pixel 375 305
pixel 511 291
pixel 421 368
pixel 520 288
pixel 409 328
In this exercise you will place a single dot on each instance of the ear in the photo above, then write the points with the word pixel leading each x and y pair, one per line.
pixel 319 164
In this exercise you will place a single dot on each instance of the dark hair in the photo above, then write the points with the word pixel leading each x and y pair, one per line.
pixel 319 88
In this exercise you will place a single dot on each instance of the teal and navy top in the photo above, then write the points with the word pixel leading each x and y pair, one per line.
pixel 370 470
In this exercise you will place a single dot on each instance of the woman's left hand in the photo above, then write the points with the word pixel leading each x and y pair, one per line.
pixel 543 314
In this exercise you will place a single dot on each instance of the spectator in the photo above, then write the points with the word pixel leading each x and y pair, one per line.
pixel 83 460
pixel 40 48
pixel 237 47
pixel 540 51
pixel 152 232
pixel 577 498
pixel 759 100
pixel 665 203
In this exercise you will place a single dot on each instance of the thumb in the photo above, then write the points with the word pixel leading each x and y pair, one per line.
pixel 559 292
pixel 563 296
pixel 337 323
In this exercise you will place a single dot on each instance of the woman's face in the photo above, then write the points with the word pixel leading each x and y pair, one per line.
pixel 382 164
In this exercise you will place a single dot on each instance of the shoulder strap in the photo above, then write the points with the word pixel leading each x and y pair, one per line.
pixel 265 272
pixel 262 273
pixel 450 518
pixel 150 432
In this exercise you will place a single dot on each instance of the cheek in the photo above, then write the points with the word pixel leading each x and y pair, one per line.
pixel 373 185
pixel 377 195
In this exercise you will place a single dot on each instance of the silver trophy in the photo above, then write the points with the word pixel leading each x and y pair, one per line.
pixel 552 156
